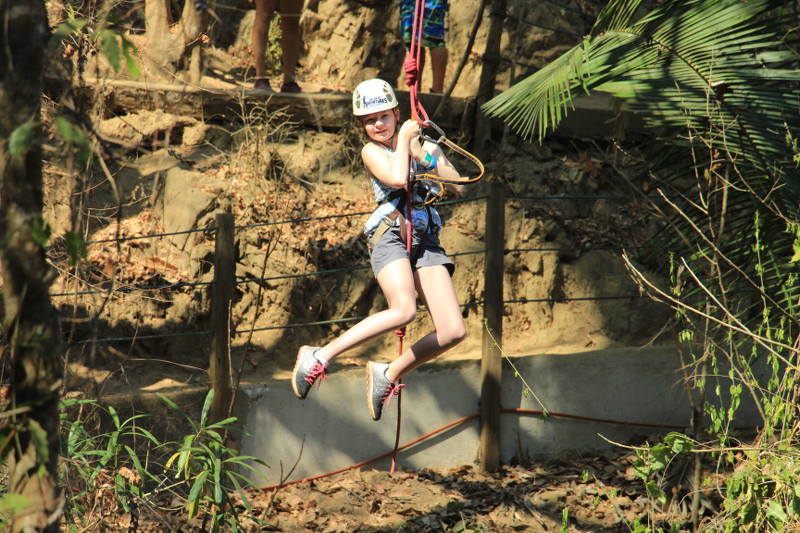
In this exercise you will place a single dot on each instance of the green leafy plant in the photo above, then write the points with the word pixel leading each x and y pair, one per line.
pixel 763 494
pixel 75 137
pixel 706 76
pixel 210 469
pixel 10 505
pixel 653 459
pixel 21 138
pixel 106 34
pixel 99 464
pixel 106 466
pixel 564 521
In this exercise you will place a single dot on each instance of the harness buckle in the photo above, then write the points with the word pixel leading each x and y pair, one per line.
pixel 431 193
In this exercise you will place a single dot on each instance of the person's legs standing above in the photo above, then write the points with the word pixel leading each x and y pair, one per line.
pixel 433 38
pixel 265 9
pixel 290 43
pixel 438 68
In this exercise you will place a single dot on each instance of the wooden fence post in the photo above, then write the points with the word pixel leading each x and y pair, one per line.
pixel 491 357
pixel 222 292
pixel 491 65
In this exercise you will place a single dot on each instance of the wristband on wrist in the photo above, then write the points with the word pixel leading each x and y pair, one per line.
pixel 429 162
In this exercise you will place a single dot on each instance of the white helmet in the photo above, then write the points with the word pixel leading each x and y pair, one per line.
pixel 371 96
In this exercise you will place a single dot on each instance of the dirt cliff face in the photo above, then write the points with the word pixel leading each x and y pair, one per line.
pixel 346 42
pixel 566 287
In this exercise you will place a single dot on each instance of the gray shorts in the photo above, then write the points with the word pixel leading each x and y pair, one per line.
pixel 391 247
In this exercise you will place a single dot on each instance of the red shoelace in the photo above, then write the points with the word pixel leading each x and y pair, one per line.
pixel 318 372
pixel 392 390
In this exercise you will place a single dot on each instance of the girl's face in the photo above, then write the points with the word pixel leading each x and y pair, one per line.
pixel 381 125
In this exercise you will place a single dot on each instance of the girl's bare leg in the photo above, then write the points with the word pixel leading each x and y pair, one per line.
pixel 438 294
pixel 397 283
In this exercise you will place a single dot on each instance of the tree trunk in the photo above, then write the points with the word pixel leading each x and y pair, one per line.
pixel 31 322
pixel 195 23
pixel 164 47
pixel 175 47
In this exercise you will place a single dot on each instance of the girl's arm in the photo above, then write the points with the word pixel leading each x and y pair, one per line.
pixel 394 172
pixel 443 167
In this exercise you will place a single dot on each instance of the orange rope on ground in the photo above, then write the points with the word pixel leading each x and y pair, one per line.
pixel 461 420
pixel 368 461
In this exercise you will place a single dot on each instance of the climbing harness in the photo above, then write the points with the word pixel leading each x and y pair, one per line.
pixel 396 217
pixel 386 224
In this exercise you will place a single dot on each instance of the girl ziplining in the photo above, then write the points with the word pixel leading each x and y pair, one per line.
pixel 394 154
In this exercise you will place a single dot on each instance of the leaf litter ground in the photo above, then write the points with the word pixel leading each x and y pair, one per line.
pixel 570 493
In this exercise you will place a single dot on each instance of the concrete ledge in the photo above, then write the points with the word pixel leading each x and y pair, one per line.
pixel 335 431
pixel 593 116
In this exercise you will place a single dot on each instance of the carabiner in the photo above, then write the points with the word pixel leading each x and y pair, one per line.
pixel 430 123
pixel 434 126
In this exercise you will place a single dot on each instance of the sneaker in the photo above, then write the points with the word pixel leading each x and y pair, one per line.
pixel 291 87
pixel 379 388
pixel 307 370
pixel 262 84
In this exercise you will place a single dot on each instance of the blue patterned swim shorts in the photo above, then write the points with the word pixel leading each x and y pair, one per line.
pixel 433 22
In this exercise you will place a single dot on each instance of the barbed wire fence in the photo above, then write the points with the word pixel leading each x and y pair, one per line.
pixel 224 274
pixel 126 289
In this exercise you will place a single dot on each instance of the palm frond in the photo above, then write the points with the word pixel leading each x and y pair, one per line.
pixel 684 57
pixel 617 14
pixel 720 70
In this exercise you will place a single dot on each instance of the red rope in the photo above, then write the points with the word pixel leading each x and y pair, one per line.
pixel 410 65
pixel 417 111
pixel 402 331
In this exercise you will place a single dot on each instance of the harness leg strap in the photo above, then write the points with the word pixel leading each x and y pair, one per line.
pixel 386 223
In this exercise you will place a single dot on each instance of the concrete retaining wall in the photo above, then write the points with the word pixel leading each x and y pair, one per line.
pixel 333 428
